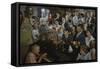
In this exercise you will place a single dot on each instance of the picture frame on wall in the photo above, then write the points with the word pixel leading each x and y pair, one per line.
pixel 45 34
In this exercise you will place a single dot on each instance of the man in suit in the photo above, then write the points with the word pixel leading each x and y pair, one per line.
pixel 80 35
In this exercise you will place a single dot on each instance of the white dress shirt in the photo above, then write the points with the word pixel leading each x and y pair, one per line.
pixel 88 40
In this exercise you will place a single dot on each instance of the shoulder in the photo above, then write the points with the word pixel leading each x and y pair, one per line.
pixel 30 54
pixel 92 38
pixel 82 34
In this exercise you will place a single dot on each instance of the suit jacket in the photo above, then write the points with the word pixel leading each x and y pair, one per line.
pixel 81 38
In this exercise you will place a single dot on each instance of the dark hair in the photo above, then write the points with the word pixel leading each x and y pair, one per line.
pixel 80 25
pixel 35 18
pixel 85 32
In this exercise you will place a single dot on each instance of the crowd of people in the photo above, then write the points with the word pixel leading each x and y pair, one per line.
pixel 57 37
